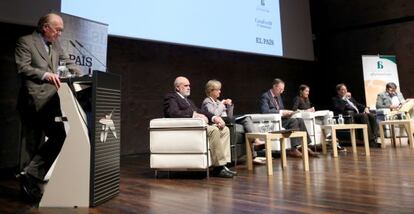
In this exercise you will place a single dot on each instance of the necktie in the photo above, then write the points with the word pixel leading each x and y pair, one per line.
pixel 49 46
pixel 187 101
pixel 352 105
pixel 276 103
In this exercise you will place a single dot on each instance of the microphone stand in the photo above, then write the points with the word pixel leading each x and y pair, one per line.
pixel 80 44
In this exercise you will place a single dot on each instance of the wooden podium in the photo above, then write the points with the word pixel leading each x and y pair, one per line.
pixel 86 172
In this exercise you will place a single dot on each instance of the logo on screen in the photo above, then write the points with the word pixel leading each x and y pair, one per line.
pixel 262 2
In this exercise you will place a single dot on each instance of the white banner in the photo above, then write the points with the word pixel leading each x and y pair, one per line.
pixel 378 71
pixel 86 42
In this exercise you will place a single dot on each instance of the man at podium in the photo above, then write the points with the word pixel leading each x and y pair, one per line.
pixel 38 56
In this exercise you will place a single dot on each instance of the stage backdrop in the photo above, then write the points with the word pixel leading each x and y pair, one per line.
pixel 86 42
pixel 378 71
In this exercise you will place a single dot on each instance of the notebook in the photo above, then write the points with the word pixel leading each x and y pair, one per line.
pixel 407 106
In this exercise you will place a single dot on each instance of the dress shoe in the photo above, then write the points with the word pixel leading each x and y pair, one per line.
pixel 340 148
pixel 259 161
pixel 234 173
pixel 374 144
pixel 313 154
pixel 222 173
pixel 29 187
pixel 294 153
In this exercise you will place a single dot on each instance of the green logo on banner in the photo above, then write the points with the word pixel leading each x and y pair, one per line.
pixel 380 65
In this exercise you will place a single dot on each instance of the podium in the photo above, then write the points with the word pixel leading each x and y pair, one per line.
pixel 86 172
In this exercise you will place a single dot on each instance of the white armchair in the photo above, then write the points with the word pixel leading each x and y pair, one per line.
pixel 313 122
pixel 179 144
pixel 275 122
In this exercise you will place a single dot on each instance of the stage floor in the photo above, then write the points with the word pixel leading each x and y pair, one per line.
pixel 382 183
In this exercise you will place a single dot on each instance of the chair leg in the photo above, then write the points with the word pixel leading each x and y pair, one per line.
pixel 156 174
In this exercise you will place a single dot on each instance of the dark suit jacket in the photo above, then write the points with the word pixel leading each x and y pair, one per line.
pixel 33 62
pixel 268 105
pixel 340 106
pixel 177 107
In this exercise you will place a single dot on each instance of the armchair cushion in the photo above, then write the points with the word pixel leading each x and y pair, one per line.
pixel 179 143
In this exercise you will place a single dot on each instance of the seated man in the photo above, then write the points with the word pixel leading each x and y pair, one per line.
pixel 390 98
pixel 393 100
pixel 344 104
pixel 176 105
pixel 271 102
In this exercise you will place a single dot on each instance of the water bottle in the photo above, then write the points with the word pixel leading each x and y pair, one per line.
pixel 62 70
pixel 340 119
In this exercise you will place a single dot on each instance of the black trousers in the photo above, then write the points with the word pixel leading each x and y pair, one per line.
pixel 37 153
pixel 295 124
pixel 369 120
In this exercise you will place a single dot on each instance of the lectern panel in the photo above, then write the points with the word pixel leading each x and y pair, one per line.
pixel 107 137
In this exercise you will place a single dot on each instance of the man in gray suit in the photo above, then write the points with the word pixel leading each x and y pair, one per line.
pixel 37 57
pixel 390 98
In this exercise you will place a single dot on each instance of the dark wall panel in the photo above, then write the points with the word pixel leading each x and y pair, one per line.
pixel 9 87
pixel 343 13
pixel 345 30
pixel 148 70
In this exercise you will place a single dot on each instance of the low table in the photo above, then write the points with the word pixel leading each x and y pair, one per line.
pixel 350 127
pixel 392 123
pixel 268 137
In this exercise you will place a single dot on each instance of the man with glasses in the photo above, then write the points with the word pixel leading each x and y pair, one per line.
pixel 37 57
pixel 271 102
pixel 390 98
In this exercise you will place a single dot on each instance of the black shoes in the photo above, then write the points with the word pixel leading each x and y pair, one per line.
pixel 234 173
pixel 340 148
pixel 30 188
pixel 223 172
pixel 374 144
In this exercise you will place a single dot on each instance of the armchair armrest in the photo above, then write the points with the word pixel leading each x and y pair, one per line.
pixel 177 123
pixel 256 118
pixel 274 118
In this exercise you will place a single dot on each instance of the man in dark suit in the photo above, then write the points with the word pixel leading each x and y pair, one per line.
pixel 176 105
pixel 271 102
pixel 343 103
pixel 37 57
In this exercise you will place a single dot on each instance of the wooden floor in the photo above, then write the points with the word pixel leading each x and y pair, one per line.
pixel 383 183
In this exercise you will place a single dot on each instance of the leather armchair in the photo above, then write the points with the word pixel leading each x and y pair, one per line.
pixel 313 122
pixel 179 144
pixel 238 143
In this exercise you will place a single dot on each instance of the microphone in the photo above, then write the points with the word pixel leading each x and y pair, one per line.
pixel 101 63
pixel 82 54
pixel 73 44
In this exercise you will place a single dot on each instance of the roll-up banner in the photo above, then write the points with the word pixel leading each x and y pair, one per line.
pixel 378 71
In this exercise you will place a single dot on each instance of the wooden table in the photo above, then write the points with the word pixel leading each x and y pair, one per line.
pixel 268 137
pixel 392 123
pixel 350 127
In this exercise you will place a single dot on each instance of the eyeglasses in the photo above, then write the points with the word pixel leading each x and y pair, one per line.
pixel 58 30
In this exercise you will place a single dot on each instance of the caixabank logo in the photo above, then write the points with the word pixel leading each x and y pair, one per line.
pixel 108 126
